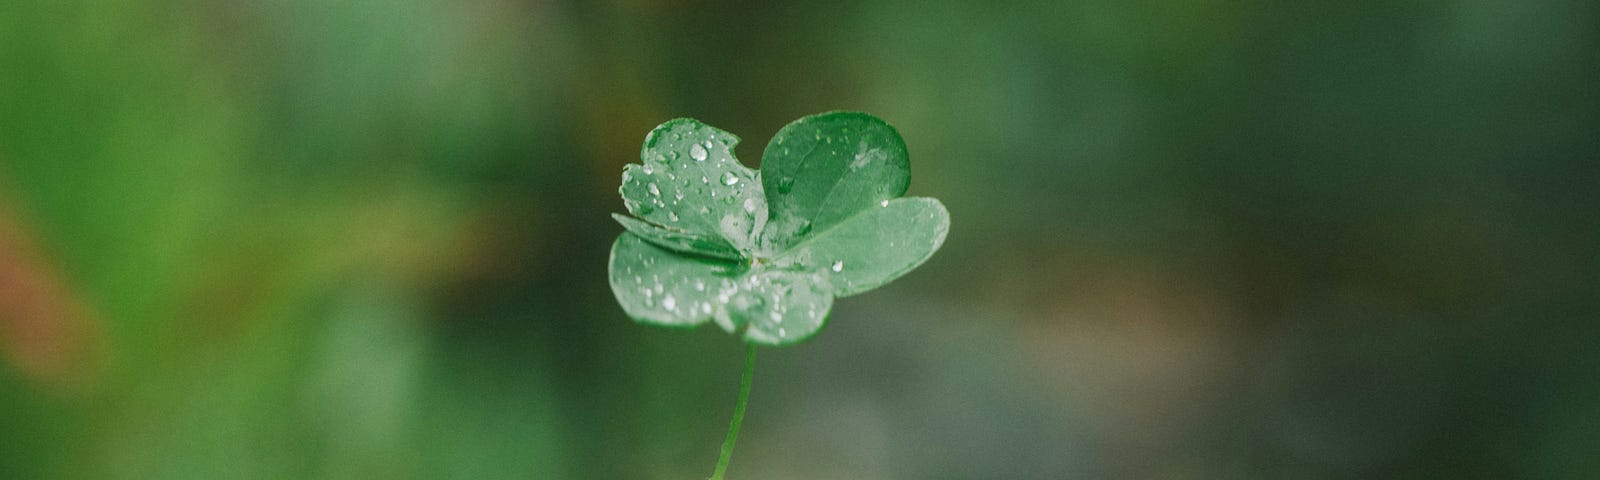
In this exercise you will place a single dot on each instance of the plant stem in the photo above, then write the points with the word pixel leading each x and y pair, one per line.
pixel 738 412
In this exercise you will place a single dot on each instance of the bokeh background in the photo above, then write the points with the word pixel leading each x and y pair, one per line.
pixel 1191 239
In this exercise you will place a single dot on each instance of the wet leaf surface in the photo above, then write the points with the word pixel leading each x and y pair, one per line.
pixel 822 169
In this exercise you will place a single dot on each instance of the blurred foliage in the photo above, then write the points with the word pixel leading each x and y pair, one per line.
pixel 309 239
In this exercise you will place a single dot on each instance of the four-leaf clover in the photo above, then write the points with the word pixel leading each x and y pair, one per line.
pixel 763 254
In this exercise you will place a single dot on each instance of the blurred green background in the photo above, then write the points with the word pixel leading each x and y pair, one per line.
pixel 1191 239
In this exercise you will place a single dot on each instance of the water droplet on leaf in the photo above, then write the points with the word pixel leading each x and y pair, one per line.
pixel 697 152
pixel 728 178
pixel 838 266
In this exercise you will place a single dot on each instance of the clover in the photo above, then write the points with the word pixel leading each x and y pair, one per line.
pixel 764 254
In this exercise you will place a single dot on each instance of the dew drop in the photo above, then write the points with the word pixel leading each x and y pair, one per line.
pixel 678 194
pixel 672 216
pixel 648 169
pixel 700 285
pixel 705 307
pixel 750 205
pixel 654 190
pixel 669 303
pixel 728 178
pixel 838 266
pixel 671 156
pixel 697 152
pixel 883 203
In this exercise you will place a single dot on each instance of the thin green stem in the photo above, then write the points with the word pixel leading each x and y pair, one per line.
pixel 738 412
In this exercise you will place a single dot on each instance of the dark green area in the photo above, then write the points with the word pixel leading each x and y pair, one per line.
pixel 1194 239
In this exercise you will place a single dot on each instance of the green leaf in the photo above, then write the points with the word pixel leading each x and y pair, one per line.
pixel 778 307
pixel 702 248
pixel 690 181
pixel 661 287
pixel 875 246
pixel 821 169
pixel 678 240
pixel 771 306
